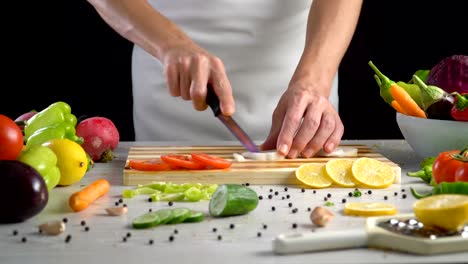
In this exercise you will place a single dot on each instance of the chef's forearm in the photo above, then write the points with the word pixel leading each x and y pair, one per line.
pixel 330 28
pixel 140 23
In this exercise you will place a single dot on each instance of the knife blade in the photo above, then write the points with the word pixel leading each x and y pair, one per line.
pixel 213 101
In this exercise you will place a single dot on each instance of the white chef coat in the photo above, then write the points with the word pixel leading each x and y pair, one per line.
pixel 260 43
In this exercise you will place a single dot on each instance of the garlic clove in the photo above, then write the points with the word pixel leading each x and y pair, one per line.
pixel 320 216
pixel 117 210
pixel 52 228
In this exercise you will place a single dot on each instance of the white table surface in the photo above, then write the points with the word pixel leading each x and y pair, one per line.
pixel 196 242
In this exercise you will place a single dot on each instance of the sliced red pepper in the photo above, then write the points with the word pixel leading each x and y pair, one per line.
pixel 150 165
pixel 182 161
pixel 211 161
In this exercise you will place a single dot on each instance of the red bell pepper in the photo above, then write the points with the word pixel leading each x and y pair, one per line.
pixel 459 109
pixel 451 166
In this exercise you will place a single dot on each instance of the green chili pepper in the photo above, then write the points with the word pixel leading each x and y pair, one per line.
pixel 444 188
pixel 424 174
pixel 59 130
pixel 384 83
pixel 422 74
pixel 55 113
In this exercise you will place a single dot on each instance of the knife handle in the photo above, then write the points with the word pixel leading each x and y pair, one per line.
pixel 212 100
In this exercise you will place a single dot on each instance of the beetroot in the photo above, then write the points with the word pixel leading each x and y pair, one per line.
pixel 100 137
pixel 450 74
pixel 21 120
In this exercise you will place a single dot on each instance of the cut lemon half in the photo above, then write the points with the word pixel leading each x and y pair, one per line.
pixel 369 209
pixel 313 175
pixel 447 211
pixel 372 173
pixel 339 171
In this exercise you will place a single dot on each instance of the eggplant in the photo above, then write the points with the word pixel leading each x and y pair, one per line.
pixel 436 102
pixel 24 193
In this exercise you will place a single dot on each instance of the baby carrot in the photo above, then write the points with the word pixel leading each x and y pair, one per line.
pixel 82 199
pixel 407 103
pixel 397 107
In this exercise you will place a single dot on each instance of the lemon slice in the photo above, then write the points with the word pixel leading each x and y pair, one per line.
pixel 339 171
pixel 314 175
pixel 447 211
pixel 372 173
pixel 369 209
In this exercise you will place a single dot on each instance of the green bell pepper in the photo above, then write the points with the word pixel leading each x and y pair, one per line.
pixel 44 160
pixel 54 131
pixel 58 112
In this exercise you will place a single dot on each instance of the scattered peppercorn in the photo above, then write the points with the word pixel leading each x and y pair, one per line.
pixel 124 205
pixel 402 190
pixel 290 204
pixel 231 226
pixel 276 193
pixel 170 203
pixel 150 199
pixel 350 194
pixel 86 229
pixel 294 210
pixel 215 229
pixel 325 199
pixel 314 191
pixel 270 196
pixel 15 232
pixel 265 226
pixel 120 200
pixel 403 196
pixel 308 209
pixel 116 203
pixel 176 231
pixel 129 234
pixel 171 238
pixel 369 192
pixel 385 197
pixel 68 238
pixel 83 223
pixel 343 200
pixel 273 208
pixel 282 197
pixel 287 196
pixel 302 190
pixel 285 189
pixel 271 190
pixel 150 210
pixel 259 234
pixel 329 195
pixel 294 225
pixel 65 220
pixel 247 184
pixel 260 197
pixel 124 239
pixel 220 237
pixel 24 239
pixel 151 241
pixel 395 194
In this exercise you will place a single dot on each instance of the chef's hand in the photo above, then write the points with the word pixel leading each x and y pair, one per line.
pixel 188 68
pixel 304 122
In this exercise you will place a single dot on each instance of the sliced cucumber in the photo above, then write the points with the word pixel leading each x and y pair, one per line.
pixel 146 220
pixel 179 215
pixel 232 199
pixel 195 217
pixel 165 215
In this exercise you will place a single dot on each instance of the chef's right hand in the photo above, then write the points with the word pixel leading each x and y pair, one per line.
pixel 188 69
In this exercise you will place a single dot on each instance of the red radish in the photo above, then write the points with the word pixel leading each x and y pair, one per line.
pixel 100 137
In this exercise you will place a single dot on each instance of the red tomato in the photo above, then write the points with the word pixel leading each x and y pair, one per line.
pixel 450 166
pixel 149 165
pixel 11 139
pixel 211 161
pixel 182 161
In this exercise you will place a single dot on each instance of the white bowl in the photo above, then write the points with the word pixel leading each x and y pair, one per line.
pixel 429 137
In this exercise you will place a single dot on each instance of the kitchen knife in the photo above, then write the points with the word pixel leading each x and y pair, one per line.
pixel 213 101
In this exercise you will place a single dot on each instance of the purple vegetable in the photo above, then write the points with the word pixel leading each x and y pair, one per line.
pixel 450 74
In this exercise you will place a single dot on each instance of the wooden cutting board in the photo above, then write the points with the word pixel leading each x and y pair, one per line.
pixel 278 172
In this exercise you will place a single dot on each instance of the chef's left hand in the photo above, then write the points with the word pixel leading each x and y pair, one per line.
pixel 304 122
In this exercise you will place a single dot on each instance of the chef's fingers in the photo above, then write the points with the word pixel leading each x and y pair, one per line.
pixel 172 79
pixel 183 67
pixel 309 126
pixel 330 132
pixel 276 123
pixel 291 123
pixel 199 71
pixel 222 87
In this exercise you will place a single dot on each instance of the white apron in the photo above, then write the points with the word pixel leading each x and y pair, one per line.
pixel 260 43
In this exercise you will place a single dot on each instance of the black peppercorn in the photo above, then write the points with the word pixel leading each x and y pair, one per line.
pixel 15 232
pixel 276 193
pixel 294 225
pixel 151 242
pixel 247 184
pixel 369 192
pixel 260 197
pixel 287 196
pixel 220 237
pixel 314 191
pixel 271 190
pixel 83 223
pixel 259 234
pixel 124 239
pixel 350 194
pixel 65 220
pixel 171 238
pixel 395 193
pixel 150 199
pixel 273 208
pixel 150 210
pixel 290 204
pixel 403 196
pixel 129 234
pixel 308 209
pixel 176 231
pixel 215 229
pixel 294 210
pixel 285 189
pixel 343 200
pixel 302 190
pixel 231 226
pixel 329 195
pixel 270 196
pixel 86 228
pixel 385 197
pixel 124 205
pixel 116 203
pixel 265 226
pixel 24 240
pixel 170 203
pixel 120 200
pixel 68 238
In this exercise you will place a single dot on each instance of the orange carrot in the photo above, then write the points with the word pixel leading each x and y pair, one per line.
pixel 82 199
pixel 397 107
pixel 407 103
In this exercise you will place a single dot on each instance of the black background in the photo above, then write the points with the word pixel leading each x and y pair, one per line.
pixel 67 52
